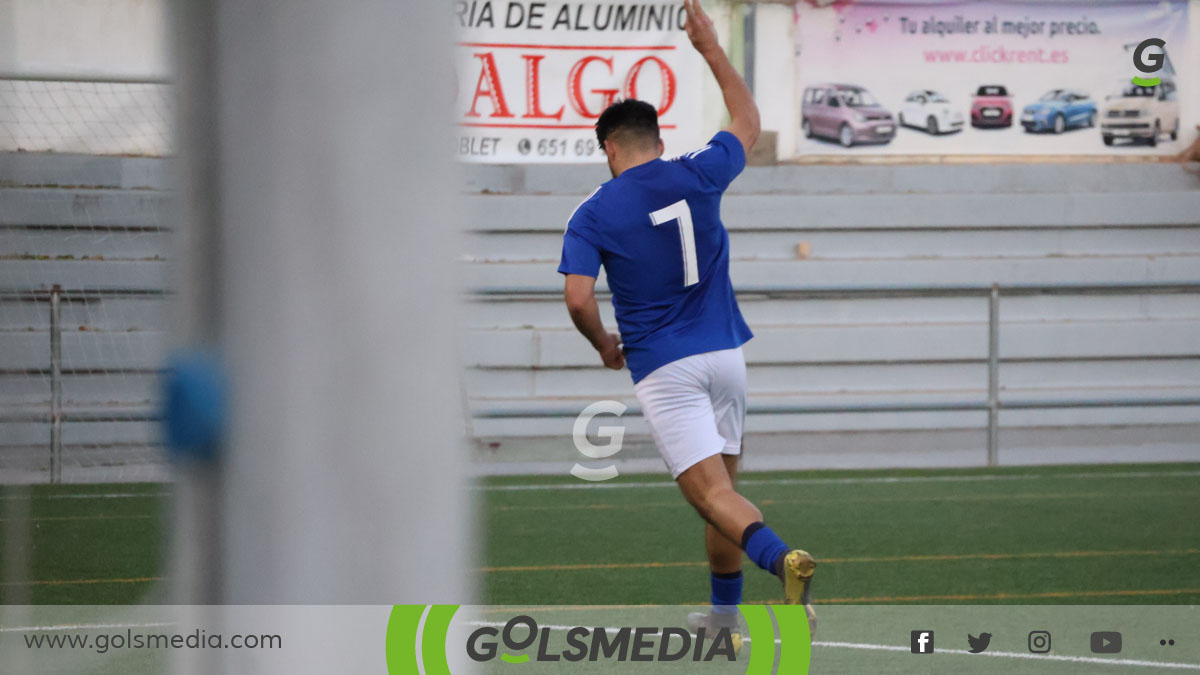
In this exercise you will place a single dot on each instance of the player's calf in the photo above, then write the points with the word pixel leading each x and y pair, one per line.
pixel 708 488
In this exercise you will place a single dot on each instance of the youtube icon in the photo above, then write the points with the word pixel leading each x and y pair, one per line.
pixel 1106 642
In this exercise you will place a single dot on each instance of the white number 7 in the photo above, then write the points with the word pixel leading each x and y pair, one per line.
pixel 687 236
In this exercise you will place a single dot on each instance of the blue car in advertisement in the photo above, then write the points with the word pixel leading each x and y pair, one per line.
pixel 1058 110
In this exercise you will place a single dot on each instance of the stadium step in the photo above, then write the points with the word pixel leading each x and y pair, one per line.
pixel 83 207
pixel 948 446
pixel 84 350
pixel 84 171
pixel 88 433
pixel 119 275
pixel 534 213
pixel 861 245
pixel 1015 178
pixel 848 412
pixel 775 274
pixel 114 245
pixel 871 343
pixel 548 312
pixel 1134 375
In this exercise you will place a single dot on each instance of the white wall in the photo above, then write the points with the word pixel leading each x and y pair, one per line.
pixel 714 116
pixel 1191 102
pixel 82 40
pixel 111 38
pixel 775 74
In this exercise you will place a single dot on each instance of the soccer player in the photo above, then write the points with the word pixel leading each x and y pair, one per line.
pixel 656 230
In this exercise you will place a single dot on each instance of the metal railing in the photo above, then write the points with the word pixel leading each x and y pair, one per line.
pixel 96 77
pixel 992 404
pixel 55 413
pixel 56 384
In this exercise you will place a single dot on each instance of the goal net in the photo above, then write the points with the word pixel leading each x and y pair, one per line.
pixel 83 280
pixel 103 118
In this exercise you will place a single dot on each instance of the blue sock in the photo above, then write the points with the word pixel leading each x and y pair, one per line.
pixel 726 592
pixel 763 546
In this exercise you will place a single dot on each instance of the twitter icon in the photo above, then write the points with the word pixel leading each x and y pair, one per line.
pixel 978 644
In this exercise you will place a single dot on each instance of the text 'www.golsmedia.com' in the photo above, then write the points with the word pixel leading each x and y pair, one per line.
pixel 104 642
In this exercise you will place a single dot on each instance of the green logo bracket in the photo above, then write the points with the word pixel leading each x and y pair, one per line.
pixel 416 635
pixel 794 646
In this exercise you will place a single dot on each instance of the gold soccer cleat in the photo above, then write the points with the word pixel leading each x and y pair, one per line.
pixel 798 569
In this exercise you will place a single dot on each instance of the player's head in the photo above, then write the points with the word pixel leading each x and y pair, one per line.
pixel 628 132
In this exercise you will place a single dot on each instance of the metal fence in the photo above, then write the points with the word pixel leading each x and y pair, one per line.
pixel 93 114
pixel 55 414
pixel 992 403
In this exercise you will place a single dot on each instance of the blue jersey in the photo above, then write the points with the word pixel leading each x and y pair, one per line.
pixel 657 231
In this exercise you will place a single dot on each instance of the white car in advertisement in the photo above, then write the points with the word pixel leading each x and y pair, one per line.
pixel 930 111
pixel 1144 113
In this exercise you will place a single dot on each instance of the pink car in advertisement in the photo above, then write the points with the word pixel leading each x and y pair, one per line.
pixel 992 107
pixel 847 113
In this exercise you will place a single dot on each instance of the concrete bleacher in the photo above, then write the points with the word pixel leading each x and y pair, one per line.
pixel 806 227
pixel 99 228
pixel 102 224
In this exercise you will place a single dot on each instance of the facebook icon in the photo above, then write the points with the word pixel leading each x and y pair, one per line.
pixel 922 642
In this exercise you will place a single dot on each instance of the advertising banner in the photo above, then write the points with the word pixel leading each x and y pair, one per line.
pixel 992 77
pixel 534 76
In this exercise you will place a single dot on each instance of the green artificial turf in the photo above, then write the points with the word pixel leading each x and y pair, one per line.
pixel 1062 535
pixel 1051 535
pixel 82 544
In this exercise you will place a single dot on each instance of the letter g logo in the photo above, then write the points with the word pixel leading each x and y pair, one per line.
pixel 1149 63
pixel 614 434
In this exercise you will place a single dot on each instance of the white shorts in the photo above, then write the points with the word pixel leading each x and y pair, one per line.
pixel 696 407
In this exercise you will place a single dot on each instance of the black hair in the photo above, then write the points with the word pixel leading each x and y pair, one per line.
pixel 630 118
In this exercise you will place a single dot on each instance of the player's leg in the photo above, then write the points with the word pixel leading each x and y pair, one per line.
pixel 706 485
pixel 708 488
pixel 724 555
pixel 727 388
pixel 727 391
pixel 726 382
pixel 725 571
pixel 677 407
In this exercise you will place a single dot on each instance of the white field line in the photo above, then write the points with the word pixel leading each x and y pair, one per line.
pixel 847 480
pixel 1135 663
pixel 89 495
pixel 850 480
pixel 80 626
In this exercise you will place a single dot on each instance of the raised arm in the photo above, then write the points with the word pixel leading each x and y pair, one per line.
pixel 743 113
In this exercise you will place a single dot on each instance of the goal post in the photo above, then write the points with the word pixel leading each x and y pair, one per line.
pixel 322 234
